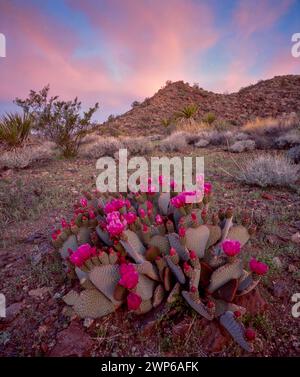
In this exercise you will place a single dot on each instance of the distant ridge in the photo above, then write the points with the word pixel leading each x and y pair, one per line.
pixel 274 97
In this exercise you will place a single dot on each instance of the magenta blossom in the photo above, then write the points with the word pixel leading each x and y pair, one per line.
pixel 257 267
pixel 115 228
pixel 83 202
pixel 158 219
pixel 207 188
pixel 133 301
pixel 130 217
pixel 129 276
pixel 64 224
pixel 231 247
pixel 181 232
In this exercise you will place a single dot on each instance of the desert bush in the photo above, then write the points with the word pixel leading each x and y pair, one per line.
pixel 15 129
pixel 209 118
pixel 270 126
pixel 288 139
pixel 294 154
pixel 139 145
pixel 135 104
pixel 222 125
pixel 269 170
pixel 166 122
pixel 61 121
pixel 192 127
pixel 188 112
pixel 26 156
pixel 177 141
pixel 98 146
pixel 217 138
pixel 242 146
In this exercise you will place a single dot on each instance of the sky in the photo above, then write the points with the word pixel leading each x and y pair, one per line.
pixel 117 51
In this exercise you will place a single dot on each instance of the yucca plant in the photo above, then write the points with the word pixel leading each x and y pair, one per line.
pixel 188 112
pixel 15 129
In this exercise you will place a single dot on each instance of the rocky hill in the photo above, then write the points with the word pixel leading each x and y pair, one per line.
pixel 275 97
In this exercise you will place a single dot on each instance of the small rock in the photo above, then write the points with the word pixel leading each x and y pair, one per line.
pixel 267 196
pixel 280 289
pixel 296 238
pixel 242 146
pixel 292 268
pixel 39 292
pixel 253 302
pixel 13 311
pixel 114 354
pixel 88 322
pixel 277 262
pixel 201 143
pixel 72 341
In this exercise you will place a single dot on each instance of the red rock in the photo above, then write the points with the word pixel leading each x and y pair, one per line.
pixel 13 311
pixel 253 302
pixel 267 196
pixel 214 338
pixel 72 341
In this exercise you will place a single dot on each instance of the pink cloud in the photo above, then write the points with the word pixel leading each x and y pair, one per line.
pixel 252 16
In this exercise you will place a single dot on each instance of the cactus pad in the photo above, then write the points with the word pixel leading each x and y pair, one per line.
pixel 225 273
pixel 93 304
pixel 196 239
pixel 235 329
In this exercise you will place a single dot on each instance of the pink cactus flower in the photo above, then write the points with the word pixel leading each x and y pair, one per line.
pixel 133 301
pixel 231 247
pixel 129 276
pixel 64 224
pixel 193 255
pixel 54 236
pixel 145 228
pixel 193 216
pixel 186 267
pixel 149 205
pixel 181 232
pixel 173 251
pixel 115 228
pixel 92 214
pixel 207 188
pixel 84 251
pixel 142 213
pixel 250 334
pixel 193 289
pixel 76 259
pixel 257 267
pixel 173 185
pixel 83 202
pixel 130 217
pixel 161 179
pixel 159 220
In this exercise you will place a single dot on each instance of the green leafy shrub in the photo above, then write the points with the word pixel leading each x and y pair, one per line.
pixel 209 118
pixel 15 129
pixel 188 112
pixel 61 121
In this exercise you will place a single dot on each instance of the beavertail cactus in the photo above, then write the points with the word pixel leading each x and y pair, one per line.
pixel 143 249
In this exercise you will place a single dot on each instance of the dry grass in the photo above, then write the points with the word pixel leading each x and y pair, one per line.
pixel 271 126
pixel 266 170
pixel 27 155
pixel 192 127
pixel 176 142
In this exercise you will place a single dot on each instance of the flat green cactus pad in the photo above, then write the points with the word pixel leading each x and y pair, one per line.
pixel 199 307
pixel 70 243
pixel 224 274
pixel 161 242
pixel 196 239
pixel 182 251
pixel 238 233
pixel 235 329
pixel 176 270
pixel 105 278
pixel 158 295
pixel 149 270
pixel 93 304
pixel 134 246
pixel 145 287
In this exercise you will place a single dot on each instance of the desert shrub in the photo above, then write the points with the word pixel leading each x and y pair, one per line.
pixel 61 121
pixel 192 127
pixel 222 125
pixel 209 118
pixel 217 138
pixel 294 154
pixel 26 156
pixel 188 112
pixel 166 122
pixel 288 139
pixel 239 136
pixel 242 146
pixel 135 104
pixel 111 118
pixel 269 126
pixel 15 129
pixel 100 146
pixel 177 141
pixel 139 145
pixel 268 170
